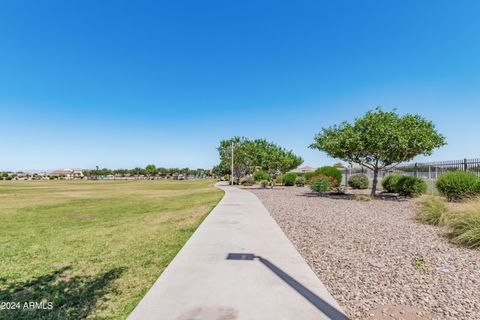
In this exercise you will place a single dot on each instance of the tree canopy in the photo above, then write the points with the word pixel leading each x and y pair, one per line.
pixel 379 140
pixel 150 170
pixel 251 155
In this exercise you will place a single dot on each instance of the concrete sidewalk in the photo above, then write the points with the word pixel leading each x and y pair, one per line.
pixel 238 265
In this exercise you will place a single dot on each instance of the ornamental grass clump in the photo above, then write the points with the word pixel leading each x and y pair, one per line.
pixel 465 224
pixel 432 210
pixel 247 181
pixel 363 197
pixel 264 184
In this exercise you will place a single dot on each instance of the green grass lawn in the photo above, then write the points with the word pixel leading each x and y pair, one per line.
pixel 92 248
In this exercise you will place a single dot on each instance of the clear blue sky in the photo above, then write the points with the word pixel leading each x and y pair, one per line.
pixel 124 84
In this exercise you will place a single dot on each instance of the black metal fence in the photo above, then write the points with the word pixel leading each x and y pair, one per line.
pixel 425 170
pixel 432 170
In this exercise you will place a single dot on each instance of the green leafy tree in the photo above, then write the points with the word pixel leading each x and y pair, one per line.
pixel 221 170
pixel 379 140
pixel 252 155
pixel 242 155
pixel 273 159
pixel 150 170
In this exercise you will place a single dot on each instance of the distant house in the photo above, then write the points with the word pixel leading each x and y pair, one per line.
pixel 22 176
pixel 67 174
pixel 40 176
pixel 304 169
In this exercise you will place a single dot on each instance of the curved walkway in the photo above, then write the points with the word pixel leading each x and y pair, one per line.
pixel 238 265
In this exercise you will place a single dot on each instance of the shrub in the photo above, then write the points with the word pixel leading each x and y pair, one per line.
pixel 309 176
pixel 331 180
pixel 389 182
pixel 263 184
pixel 465 225
pixel 289 179
pixel 330 172
pixel 247 181
pixel 261 175
pixel 300 181
pixel 458 185
pixel 432 210
pixel 8 178
pixel 358 181
pixel 411 186
pixel 321 185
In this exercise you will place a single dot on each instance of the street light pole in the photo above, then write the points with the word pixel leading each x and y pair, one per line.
pixel 231 175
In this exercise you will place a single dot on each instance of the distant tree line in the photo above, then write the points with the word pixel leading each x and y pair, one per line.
pixel 149 171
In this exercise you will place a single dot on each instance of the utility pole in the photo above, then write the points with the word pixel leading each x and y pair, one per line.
pixel 231 172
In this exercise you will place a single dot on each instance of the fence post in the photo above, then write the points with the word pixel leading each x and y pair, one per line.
pixel 465 165
pixel 416 169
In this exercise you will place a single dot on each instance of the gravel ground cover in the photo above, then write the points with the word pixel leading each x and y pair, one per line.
pixel 376 260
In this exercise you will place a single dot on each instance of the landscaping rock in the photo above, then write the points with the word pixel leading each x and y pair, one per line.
pixel 363 253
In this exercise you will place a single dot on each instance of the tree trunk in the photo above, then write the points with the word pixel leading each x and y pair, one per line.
pixel 374 182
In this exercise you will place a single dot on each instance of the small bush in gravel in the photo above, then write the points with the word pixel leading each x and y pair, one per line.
pixel 465 224
pixel 300 181
pixel 330 172
pixel 389 182
pixel 321 185
pixel 261 175
pixel 458 185
pixel 421 264
pixel 432 210
pixel 247 181
pixel 289 179
pixel 263 184
pixel 409 186
pixel 332 181
pixel 358 181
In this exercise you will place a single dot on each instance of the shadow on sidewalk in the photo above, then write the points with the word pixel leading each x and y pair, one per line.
pixel 318 302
